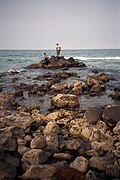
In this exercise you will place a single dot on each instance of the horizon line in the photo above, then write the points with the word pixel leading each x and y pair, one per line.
pixel 7 49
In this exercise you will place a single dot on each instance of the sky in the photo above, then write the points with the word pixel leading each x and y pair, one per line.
pixel 74 24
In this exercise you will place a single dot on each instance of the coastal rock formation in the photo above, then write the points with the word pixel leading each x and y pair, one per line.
pixel 59 142
pixel 65 100
pixel 65 141
pixel 57 62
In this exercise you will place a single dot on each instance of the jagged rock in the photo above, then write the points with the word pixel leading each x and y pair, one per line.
pixel 57 62
pixel 59 87
pixel 35 156
pixel 113 171
pixel 21 142
pixel 60 165
pixel 100 140
pixel 62 156
pixel 76 87
pixel 111 114
pixel 116 153
pixel 38 142
pixel 51 135
pixel 28 138
pixel 116 130
pixel 97 88
pixel 101 163
pixel 101 125
pixel 39 172
pixel 80 164
pixel 7 171
pixel 73 144
pixel 90 175
pixel 93 114
pixel 22 149
pixel 86 133
pixel 65 100
pixel 91 153
pixel 116 95
pixel 76 126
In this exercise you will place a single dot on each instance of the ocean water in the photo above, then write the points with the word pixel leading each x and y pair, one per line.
pixel 107 60
pixel 101 60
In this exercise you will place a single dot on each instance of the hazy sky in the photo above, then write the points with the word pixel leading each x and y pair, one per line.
pixel 75 24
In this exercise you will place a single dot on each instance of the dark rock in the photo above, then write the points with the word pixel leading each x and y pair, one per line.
pixel 39 172
pixel 57 62
pixel 93 114
pixel 35 156
pixel 111 114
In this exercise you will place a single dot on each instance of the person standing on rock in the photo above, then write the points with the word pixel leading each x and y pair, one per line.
pixel 58 49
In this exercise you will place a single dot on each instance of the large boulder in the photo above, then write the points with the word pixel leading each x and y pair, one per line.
pixel 51 135
pixel 80 164
pixel 39 172
pixel 76 87
pixel 111 114
pixel 93 114
pixel 59 87
pixel 35 156
pixel 65 100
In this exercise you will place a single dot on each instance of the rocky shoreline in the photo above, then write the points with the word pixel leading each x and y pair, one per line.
pixel 65 142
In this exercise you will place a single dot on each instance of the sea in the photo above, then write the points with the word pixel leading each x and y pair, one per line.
pixel 105 59
pixel 96 60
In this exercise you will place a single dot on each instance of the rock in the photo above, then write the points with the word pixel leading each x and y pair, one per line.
pixel 101 163
pixel 100 140
pixel 35 156
pixel 69 174
pixel 116 153
pixel 65 100
pixel 7 171
pixel 111 114
pixel 9 144
pixel 90 175
pixel 21 142
pixel 28 138
pixel 22 149
pixel 8 159
pixel 76 87
pixel 91 152
pixel 91 80
pixel 80 164
pixel 57 62
pixel 52 116
pixel 38 142
pixel 93 114
pixel 59 87
pixel 86 133
pixel 60 165
pixel 116 95
pixel 113 171
pixel 76 126
pixel 62 156
pixel 39 172
pixel 16 132
pixel 51 135
pixel 101 125
pixel 97 88
pixel 73 144
pixel 116 130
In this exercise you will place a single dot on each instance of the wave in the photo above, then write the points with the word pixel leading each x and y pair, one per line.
pixel 95 58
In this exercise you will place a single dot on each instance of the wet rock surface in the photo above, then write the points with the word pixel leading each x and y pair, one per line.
pixel 64 142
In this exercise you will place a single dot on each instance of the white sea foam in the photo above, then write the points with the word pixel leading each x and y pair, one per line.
pixel 95 58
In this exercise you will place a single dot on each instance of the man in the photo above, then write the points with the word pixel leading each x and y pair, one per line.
pixel 58 49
